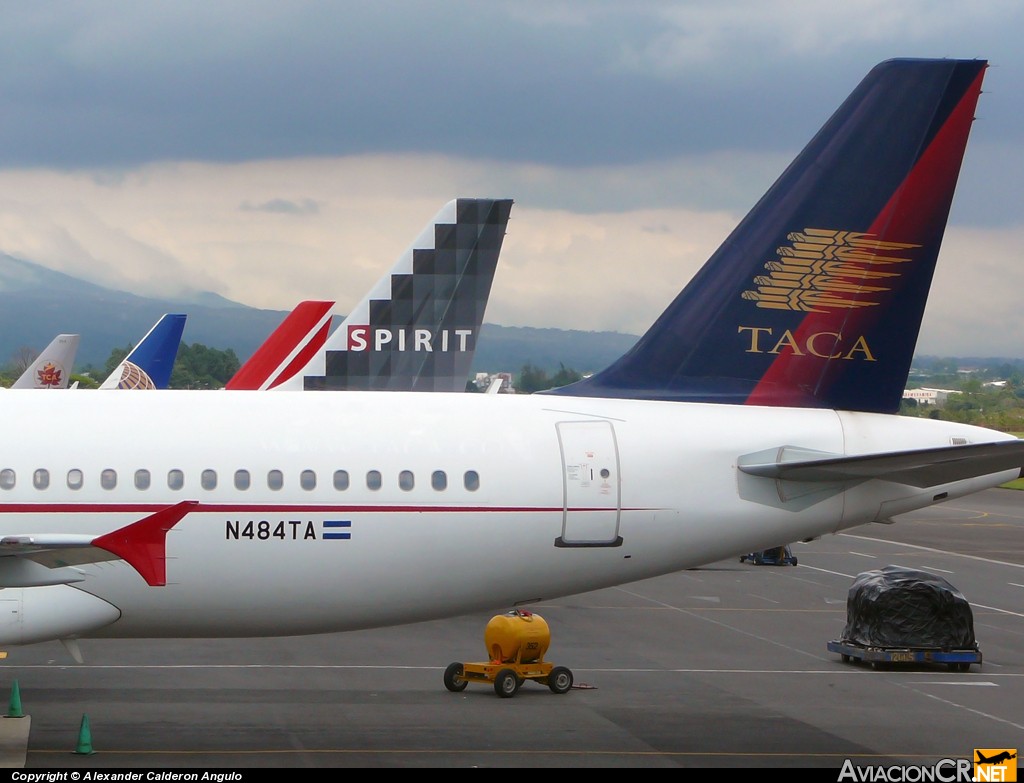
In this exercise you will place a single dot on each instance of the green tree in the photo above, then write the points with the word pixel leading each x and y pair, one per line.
pixel 196 367
pixel 565 376
pixel 532 379
pixel 117 355
pixel 201 367
pixel 909 407
pixel 84 381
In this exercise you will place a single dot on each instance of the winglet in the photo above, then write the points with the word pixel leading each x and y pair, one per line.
pixel 288 349
pixel 142 543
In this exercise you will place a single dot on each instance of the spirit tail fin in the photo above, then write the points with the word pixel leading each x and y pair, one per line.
pixel 416 330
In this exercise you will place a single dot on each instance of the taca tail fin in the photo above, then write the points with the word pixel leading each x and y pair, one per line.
pixel 416 330
pixel 150 363
pixel 289 348
pixel 816 298
pixel 52 368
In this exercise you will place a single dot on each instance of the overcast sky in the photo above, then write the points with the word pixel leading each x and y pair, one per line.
pixel 279 151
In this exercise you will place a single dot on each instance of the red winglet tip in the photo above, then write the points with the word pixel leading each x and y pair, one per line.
pixel 142 544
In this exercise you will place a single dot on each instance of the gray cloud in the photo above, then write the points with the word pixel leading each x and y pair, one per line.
pixel 281 206
pixel 579 83
pixel 168 130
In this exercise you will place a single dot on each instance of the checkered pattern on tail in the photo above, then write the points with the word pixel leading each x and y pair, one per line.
pixel 423 336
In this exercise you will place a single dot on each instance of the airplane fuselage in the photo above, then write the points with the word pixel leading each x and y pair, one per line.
pixel 323 512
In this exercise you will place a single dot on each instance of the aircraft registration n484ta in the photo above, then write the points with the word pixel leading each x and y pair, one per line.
pixel 757 410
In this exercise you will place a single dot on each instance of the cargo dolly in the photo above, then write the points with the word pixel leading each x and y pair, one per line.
pixel 780 555
pixel 880 657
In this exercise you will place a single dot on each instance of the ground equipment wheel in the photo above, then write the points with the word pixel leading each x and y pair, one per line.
pixel 453 678
pixel 506 684
pixel 560 680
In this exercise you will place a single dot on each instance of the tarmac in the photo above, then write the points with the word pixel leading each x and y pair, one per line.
pixel 719 667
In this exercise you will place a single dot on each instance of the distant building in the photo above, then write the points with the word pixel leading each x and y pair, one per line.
pixel 936 397
pixel 483 381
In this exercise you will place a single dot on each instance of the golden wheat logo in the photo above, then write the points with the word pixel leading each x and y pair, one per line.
pixel 822 270
pixel 995 764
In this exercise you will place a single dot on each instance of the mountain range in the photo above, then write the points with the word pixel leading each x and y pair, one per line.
pixel 37 303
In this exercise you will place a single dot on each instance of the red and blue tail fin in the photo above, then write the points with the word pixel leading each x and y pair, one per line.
pixel 150 363
pixel 816 298
pixel 301 335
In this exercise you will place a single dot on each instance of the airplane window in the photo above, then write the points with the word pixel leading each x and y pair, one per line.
pixel 406 480
pixel 439 480
pixel 307 479
pixel 175 479
pixel 341 479
pixel 373 479
pixel 7 478
pixel 142 479
pixel 208 479
pixel 275 479
pixel 108 478
pixel 41 478
pixel 471 480
pixel 241 479
pixel 74 479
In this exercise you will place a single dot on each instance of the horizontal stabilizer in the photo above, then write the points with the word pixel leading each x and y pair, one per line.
pixel 918 468
pixel 140 544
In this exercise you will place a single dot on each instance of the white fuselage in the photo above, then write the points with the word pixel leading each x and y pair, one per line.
pixel 485 501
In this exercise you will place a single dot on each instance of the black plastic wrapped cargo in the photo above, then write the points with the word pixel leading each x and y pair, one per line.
pixel 895 607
